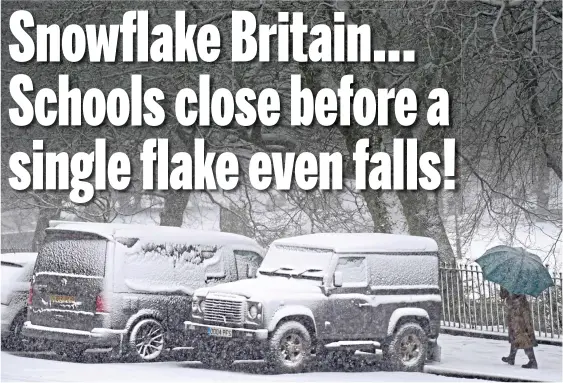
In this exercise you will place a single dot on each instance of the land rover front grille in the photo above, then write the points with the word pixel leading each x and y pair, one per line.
pixel 223 311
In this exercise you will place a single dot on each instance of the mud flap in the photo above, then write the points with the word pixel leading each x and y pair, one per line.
pixel 434 352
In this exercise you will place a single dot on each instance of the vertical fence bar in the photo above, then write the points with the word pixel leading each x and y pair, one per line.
pixel 496 306
pixel 473 295
pixel 459 296
pixel 503 317
pixel 544 298
pixel 481 294
pixel 448 295
pixel 441 284
pixel 466 295
pixel 491 312
pixel 557 304
pixel 533 316
pixel 551 312
pixel 539 315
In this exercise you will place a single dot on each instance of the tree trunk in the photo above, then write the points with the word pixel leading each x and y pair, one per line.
pixel 174 207
pixel 45 215
pixel 457 233
pixel 423 217
pixel 542 190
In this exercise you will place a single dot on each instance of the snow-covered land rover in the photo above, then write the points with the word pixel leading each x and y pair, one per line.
pixel 327 292
pixel 127 286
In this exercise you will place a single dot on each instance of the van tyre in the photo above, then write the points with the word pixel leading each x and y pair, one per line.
pixel 146 341
pixel 15 341
pixel 407 349
pixel 289 349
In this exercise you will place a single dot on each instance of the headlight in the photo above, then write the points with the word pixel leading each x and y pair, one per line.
pixel 253 312
pixel 196 305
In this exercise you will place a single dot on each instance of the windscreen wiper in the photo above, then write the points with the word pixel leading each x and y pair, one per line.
pixel 306 271
pixel 283 268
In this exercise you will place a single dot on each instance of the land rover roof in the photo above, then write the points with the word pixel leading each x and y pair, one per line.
pixel 161 233
pixel 362 243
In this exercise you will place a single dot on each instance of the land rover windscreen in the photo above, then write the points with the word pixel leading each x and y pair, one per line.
pixel 297 262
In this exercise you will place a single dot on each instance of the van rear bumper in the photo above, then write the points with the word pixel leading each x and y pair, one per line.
pixel 102 337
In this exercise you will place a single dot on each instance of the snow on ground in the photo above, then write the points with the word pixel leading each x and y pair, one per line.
pixel 476 355
pixel 25 369
pixel 463 356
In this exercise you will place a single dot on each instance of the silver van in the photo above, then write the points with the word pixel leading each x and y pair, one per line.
pixel 127 286
pixel 16 277
pixel 321 294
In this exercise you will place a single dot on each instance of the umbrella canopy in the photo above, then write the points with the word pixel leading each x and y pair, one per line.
pixel 515 269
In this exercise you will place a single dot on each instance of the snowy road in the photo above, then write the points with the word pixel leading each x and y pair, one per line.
pixel 459 354
pixel 25 369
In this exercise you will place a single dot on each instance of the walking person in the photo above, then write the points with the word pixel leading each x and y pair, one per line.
pixel 521 333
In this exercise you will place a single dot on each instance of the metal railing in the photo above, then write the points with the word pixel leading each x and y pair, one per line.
pixel 469 302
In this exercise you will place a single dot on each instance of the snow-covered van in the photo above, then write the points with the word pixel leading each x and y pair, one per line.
pixel 16 277
pixel 327 294
pixel 127 286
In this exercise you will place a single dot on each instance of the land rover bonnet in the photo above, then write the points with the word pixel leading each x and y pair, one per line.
pixel 68 280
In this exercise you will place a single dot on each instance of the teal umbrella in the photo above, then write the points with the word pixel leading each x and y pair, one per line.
pixel 515 269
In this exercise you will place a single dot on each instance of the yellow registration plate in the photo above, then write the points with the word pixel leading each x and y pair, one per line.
pixel 62 299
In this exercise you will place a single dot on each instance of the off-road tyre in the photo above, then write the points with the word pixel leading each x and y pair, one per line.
pixel 407 349
pixel 289 348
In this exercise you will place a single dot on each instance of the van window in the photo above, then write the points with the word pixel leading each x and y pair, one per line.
pixel 72 253
pixel 354 271
pixel 158 266
pixel 403 270
pixel 247 263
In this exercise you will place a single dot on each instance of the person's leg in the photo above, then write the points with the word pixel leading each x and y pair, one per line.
pixel 532 357
pixel 511 356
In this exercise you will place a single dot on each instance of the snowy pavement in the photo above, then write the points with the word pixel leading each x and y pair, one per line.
pixel 481 357
pixel 460 355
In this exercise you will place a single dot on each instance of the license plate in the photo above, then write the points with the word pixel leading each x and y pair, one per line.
pixel 222 332
pixel 62 299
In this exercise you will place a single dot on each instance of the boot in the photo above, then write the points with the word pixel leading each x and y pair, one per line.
pixel 532 357
pixel 531 364
pixel 511 356
pixel 508 359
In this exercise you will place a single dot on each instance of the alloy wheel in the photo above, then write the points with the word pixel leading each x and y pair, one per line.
pixel 149 340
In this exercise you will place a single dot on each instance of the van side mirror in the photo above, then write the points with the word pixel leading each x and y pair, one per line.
pixel 251 272
pixel 337 279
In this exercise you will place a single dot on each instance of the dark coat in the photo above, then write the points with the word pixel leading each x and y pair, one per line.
pixel 520 326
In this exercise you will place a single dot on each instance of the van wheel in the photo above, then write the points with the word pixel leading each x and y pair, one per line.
pixel 289 348
pixel 146 341
pixel 407 349
pixel 217 356
pixel 15 341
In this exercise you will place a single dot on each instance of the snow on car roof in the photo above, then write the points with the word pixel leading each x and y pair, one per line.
pixel 19 258
pixel 117 230
pixel 362 242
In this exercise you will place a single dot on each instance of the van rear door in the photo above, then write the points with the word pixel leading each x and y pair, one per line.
pixel 68 281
